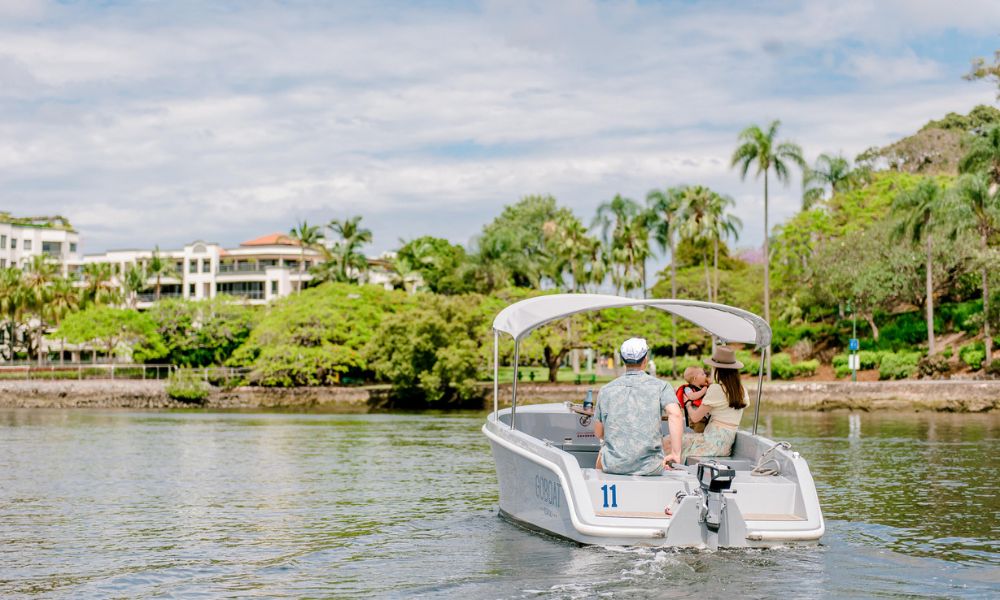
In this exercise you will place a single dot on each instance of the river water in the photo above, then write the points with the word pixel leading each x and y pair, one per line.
pixel 193 504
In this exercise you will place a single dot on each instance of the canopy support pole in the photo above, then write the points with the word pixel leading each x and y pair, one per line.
pixel 513 391
pixel 496 373
pixel 760 387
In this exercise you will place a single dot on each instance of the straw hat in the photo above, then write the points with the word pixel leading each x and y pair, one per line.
pixel 724 357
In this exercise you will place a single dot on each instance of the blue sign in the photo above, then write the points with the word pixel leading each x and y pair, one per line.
pixel 854 344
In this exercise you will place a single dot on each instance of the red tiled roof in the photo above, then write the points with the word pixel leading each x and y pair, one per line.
pixel 274 239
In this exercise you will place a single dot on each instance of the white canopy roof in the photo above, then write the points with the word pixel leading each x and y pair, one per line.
pixel 724 322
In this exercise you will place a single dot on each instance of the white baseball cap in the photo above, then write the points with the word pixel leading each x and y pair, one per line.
pixel 634 350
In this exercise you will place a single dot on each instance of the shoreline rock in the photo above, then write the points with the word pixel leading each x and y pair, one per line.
pixel 910 396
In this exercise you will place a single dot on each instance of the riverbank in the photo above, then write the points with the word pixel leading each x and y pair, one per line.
pixel 942 396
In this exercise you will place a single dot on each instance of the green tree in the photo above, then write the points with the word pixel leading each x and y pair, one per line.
pixel 307 237
pixel 115 329
pixel 977 204
pixel 665 210
pixel 161 268
pixel 918 212
pixel 864 270
pixel 722 225
pixel 761 149
pixel 983 155
pixel 204 332
pixel 14 302
pixel 517 249
pixel 440 264
pixel 830 175
pixel 64 299
pixel 624 231
pixel 133 281
pixel 351 262
pixel 315 337
pixel 574 248
pixel 99 287
pixel 37 278
pixel 430 353
pixel 984 70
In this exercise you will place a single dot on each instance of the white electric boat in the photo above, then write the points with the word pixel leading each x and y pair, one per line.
pixel 760 496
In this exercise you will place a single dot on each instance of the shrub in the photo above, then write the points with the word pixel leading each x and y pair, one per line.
pixel 973 355
pixel 965 316
pixel 947 352
pixel 870 359
pixel 993 370
pixel 839 361
pixel 185 385
pixel 898 365
pixel 781 366
pixel 906 329
pixel 842 371
pixel 933 366
pixel 806 368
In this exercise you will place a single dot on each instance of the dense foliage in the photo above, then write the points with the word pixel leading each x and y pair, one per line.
pixel 900 243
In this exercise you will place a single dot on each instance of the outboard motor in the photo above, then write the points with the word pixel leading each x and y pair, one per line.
pixel 715 480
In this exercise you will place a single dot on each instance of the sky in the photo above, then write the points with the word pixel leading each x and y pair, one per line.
pixel 160 123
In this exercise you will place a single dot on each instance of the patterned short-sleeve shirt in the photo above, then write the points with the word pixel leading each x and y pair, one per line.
pixel 630 409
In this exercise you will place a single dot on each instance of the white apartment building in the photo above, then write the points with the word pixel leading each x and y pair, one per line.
pixel 257 271
pixel 25 237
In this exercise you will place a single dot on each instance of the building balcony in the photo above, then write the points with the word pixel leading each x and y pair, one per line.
pixel 151 296
pixel 241 268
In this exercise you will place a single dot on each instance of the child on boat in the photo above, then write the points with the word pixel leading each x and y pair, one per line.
pixel 692 393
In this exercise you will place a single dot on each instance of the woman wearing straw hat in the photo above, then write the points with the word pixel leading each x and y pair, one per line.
pixel 724 402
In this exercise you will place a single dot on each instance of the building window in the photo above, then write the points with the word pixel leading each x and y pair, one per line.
pixel 13 243
pixel 72 246
pixel 206 266
pixel 190 290
pixel 3 242
pixel 252 290
pixel 274 288
pixel 193 266
pixel 27 244
pixel 3 263
pixel 52 248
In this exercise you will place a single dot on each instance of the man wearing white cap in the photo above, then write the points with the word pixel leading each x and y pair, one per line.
pixel 628 418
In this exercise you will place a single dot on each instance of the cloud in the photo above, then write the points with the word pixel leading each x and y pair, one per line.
pixel 147 125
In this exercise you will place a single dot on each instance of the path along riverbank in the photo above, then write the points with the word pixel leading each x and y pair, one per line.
pixel 916 396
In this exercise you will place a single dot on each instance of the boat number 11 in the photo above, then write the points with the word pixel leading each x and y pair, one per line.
pixel 613 490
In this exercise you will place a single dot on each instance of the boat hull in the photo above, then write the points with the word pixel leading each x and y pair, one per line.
pixel 543 487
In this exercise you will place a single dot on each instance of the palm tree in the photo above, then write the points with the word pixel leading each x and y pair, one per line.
pixel 13 303
pixel 983 156
pixel 348 249
pixel 307 236
pixel 160 267
pixel 918 211
pixel 133 281
pixel 722 225
pixel 761 149
pixel 831 173
pixel 696 224
pixel 665 209
pixel 614 218
pixel 575 249
pixel 64 298
pixel 978 211
pixel 99 288
pixel 37 277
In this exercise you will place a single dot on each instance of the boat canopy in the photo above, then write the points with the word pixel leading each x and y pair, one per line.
pixel 726 323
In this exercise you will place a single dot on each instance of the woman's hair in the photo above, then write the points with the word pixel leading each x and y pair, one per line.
pixel 729 379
